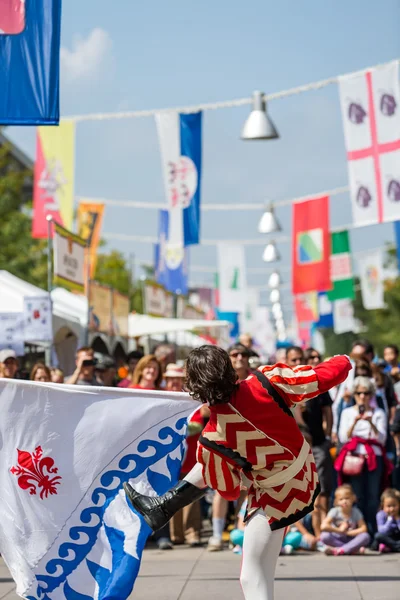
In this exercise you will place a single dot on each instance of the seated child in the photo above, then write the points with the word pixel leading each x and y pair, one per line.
pixel 388 521
pixel 298 536
pixel 344 530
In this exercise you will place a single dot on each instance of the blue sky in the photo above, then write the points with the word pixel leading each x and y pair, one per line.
pixel 130 55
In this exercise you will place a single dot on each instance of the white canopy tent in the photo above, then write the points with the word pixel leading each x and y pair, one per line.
pixel 68 325
pixel 180 331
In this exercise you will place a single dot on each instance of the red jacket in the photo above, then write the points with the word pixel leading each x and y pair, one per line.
pixel 255 440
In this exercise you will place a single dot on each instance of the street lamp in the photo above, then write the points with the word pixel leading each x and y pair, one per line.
pixel 270 253
pixel 277 310
pixel 258 125
pixel 268 222
pixel 274 280
pixel 275 296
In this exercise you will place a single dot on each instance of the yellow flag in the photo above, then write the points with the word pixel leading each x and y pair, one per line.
pixel 54 177
pixel 90 220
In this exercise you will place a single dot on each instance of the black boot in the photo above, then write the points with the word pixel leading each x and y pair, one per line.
pixel 158 510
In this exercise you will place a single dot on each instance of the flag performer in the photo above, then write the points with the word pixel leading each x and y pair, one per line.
pixel 251 439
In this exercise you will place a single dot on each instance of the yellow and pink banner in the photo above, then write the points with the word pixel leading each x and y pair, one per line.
pixel 54 177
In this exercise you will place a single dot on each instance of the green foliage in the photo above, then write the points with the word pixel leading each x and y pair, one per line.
pixel 112 269
pixel 19 253
pixel 381 327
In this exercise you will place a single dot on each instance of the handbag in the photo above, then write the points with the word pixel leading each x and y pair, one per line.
pixel 353 464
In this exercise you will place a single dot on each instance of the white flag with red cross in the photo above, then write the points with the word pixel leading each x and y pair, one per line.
pixel 370 105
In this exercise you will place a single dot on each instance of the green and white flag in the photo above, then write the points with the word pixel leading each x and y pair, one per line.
pixel 341 269
pixel 232 277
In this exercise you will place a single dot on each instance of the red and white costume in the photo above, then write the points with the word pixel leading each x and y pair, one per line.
pixel 254 440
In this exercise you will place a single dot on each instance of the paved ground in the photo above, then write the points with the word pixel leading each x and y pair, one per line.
pixel 195 574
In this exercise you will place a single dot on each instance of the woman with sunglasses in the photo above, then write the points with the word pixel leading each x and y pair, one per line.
pixel 312 357
pixel 363 431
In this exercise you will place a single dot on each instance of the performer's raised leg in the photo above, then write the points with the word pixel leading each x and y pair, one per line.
pixel 158 510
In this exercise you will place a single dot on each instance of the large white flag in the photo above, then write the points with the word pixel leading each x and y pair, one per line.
pixel 371 279
pixel 66 529
pixel 370 106
pixel 232 277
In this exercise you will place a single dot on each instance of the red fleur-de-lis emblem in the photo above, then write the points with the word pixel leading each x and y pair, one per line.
pixel 36 472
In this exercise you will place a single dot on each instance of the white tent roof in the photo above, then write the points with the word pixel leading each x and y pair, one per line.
pixel 140 325
pixel 67 306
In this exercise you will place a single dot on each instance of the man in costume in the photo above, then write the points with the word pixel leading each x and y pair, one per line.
pixel 251 439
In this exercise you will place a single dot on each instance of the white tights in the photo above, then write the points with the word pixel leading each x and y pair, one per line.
pixel 261 548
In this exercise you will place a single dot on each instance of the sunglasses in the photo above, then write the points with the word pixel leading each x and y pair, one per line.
pixel 236 354
pixel 315 357
pixel 362 393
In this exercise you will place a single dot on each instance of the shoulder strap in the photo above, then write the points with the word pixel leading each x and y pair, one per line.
pixel 272 391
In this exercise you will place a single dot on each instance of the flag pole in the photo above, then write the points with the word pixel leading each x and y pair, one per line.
pixel 49 220
pixel 87 295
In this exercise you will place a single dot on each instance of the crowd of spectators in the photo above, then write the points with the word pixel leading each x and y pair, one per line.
pixel 354 432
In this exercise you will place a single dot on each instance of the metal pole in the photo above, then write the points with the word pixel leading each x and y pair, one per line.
pixel 49 220
pixel 87 296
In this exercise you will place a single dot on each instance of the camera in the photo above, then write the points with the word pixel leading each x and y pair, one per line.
pixel 89 363
pixel 361 409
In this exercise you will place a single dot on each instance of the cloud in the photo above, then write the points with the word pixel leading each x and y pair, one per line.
pixel 86 56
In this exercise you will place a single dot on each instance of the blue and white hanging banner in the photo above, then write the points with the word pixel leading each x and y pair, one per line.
pixel 325 311
pixel 29 62
pixel 172 272
pixel 181 148
pixel 233 319
pixel 70 533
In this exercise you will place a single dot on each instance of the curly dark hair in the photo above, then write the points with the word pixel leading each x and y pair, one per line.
pixel 210 377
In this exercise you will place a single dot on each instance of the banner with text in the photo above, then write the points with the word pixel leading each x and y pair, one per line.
pixel 157 301
pixel 100 308
pixel 69 259
pixel 12 332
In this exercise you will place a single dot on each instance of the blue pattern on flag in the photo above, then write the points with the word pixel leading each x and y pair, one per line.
pixel 118 583
pixel 190 132
pixel 174 280
pixel 29 67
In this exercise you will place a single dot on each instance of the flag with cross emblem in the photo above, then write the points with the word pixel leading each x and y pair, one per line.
pixel 370 105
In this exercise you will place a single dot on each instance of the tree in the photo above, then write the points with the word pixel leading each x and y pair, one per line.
pixel 19 253
pixel 113 269
pixel 381 326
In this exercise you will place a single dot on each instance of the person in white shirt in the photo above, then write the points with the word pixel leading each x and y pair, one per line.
pixel 366 422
